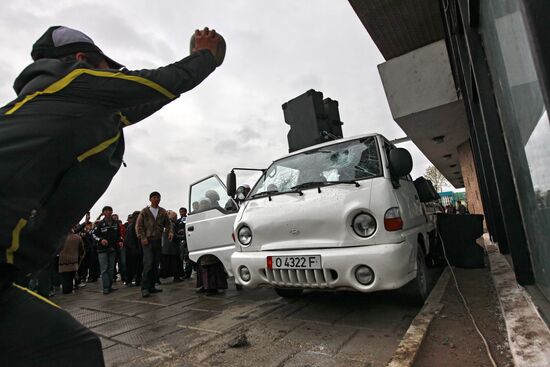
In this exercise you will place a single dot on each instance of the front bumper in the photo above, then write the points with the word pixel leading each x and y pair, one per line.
pixel 394 265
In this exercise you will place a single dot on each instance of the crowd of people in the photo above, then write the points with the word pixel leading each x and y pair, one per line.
pixel 149 246
pixel 458 209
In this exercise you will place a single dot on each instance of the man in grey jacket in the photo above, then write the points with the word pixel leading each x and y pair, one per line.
pixel 151 223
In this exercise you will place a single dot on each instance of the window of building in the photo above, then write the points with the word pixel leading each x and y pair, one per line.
pixel 524 121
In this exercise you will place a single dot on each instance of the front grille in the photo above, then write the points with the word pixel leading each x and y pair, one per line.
pixel 306 278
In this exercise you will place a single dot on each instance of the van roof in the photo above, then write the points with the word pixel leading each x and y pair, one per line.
pixel 331 142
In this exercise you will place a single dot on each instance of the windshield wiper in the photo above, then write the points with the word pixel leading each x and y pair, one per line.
pixel 319 184
pixel 264 193
pixel 344 182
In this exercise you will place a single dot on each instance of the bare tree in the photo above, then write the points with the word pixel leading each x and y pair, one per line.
pixel 438 180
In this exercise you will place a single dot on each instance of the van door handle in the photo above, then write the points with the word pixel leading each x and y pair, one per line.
pixel 191 228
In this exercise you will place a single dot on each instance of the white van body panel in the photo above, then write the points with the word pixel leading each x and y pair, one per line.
pixel 209 231
pixel 211 235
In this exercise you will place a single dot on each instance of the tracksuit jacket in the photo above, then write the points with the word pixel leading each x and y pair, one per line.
pixel 110 232
pixel 61 143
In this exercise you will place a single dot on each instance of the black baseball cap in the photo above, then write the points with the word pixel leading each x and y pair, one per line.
pixel 61 41
pixel 154 193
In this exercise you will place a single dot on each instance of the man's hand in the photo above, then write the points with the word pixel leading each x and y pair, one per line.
pixel 104 242
pixel 87 217
pixel 170 236
pixel 144 241
pixel 210 40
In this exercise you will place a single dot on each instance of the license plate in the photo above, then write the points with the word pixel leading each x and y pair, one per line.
pixel 294 262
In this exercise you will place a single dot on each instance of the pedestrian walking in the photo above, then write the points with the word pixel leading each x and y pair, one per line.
pixel 211 275
pixel 151 223
pixel 107 234
pixel 84 270
pixel 71 254
pixel 171 264
pixel 134 252
pixel 120 252
pixel 181 237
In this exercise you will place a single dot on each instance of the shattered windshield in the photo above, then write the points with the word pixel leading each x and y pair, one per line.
pixel 344 162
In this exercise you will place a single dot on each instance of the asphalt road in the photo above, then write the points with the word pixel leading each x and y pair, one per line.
pixel 181 328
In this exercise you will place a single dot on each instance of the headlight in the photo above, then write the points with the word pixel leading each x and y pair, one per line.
pixel 364 225
pixel 245 236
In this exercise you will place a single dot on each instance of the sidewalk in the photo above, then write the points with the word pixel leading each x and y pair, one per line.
pixel 516 334
pixel 452 340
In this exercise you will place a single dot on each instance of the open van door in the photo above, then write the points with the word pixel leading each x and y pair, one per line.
pixel 209 225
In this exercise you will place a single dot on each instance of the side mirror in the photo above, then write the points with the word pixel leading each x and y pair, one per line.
pixel 231 184
pixel 400 162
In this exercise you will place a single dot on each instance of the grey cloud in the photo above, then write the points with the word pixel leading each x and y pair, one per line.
pixel 276 51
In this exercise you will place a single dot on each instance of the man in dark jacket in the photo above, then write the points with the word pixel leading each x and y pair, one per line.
pixel 61 143
pixel 182 239
pixel 108 237
pixel 134 252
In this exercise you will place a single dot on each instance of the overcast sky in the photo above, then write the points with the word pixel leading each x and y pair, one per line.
pixel 276 50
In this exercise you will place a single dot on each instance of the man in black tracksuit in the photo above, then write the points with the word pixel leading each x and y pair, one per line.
pixel 61 143
pixel 108 237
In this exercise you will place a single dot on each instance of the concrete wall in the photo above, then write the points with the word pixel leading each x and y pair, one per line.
pixel 419 80
pixel 423 100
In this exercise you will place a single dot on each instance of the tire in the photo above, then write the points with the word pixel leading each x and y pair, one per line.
pixel 417 290
pixel 288 292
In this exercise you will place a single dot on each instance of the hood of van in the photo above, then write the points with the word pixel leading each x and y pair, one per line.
pixel 315 219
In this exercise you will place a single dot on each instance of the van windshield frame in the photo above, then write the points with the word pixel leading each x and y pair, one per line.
pixel 339 163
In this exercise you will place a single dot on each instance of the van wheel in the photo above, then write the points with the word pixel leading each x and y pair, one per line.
pixel 289 292
pixel 417 290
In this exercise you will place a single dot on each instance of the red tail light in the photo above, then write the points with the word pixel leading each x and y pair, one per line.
pixel 233 236
pixel 392 220
pixel 269 262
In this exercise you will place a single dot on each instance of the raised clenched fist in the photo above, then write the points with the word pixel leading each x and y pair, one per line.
pixel 210 40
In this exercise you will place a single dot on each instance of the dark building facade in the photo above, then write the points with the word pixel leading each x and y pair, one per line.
pixel 475 75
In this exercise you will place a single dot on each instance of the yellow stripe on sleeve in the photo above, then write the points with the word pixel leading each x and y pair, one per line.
pixel 67 79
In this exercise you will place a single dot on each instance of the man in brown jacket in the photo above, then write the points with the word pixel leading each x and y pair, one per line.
pixel 151 223
pixel 70 257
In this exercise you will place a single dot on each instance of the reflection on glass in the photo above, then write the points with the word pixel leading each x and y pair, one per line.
pixel 524 122
pixel 537 150
pixel 210 194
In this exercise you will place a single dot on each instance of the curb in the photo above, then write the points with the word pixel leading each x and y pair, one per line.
pixel 406 351
pixel 528 335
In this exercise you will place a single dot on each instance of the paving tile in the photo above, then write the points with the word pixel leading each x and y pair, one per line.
pixel 370 347
pixel 319 338
pixel 126 308
pixel 302 359
pixel 211 304
pixel 266 346
pixel 119 354
pixel 165 312
pixel 389 317
pixel 188 318
pixel 179 343
pixel 146 334
pixel 93 318
pixel 119 326
pixel 106 343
